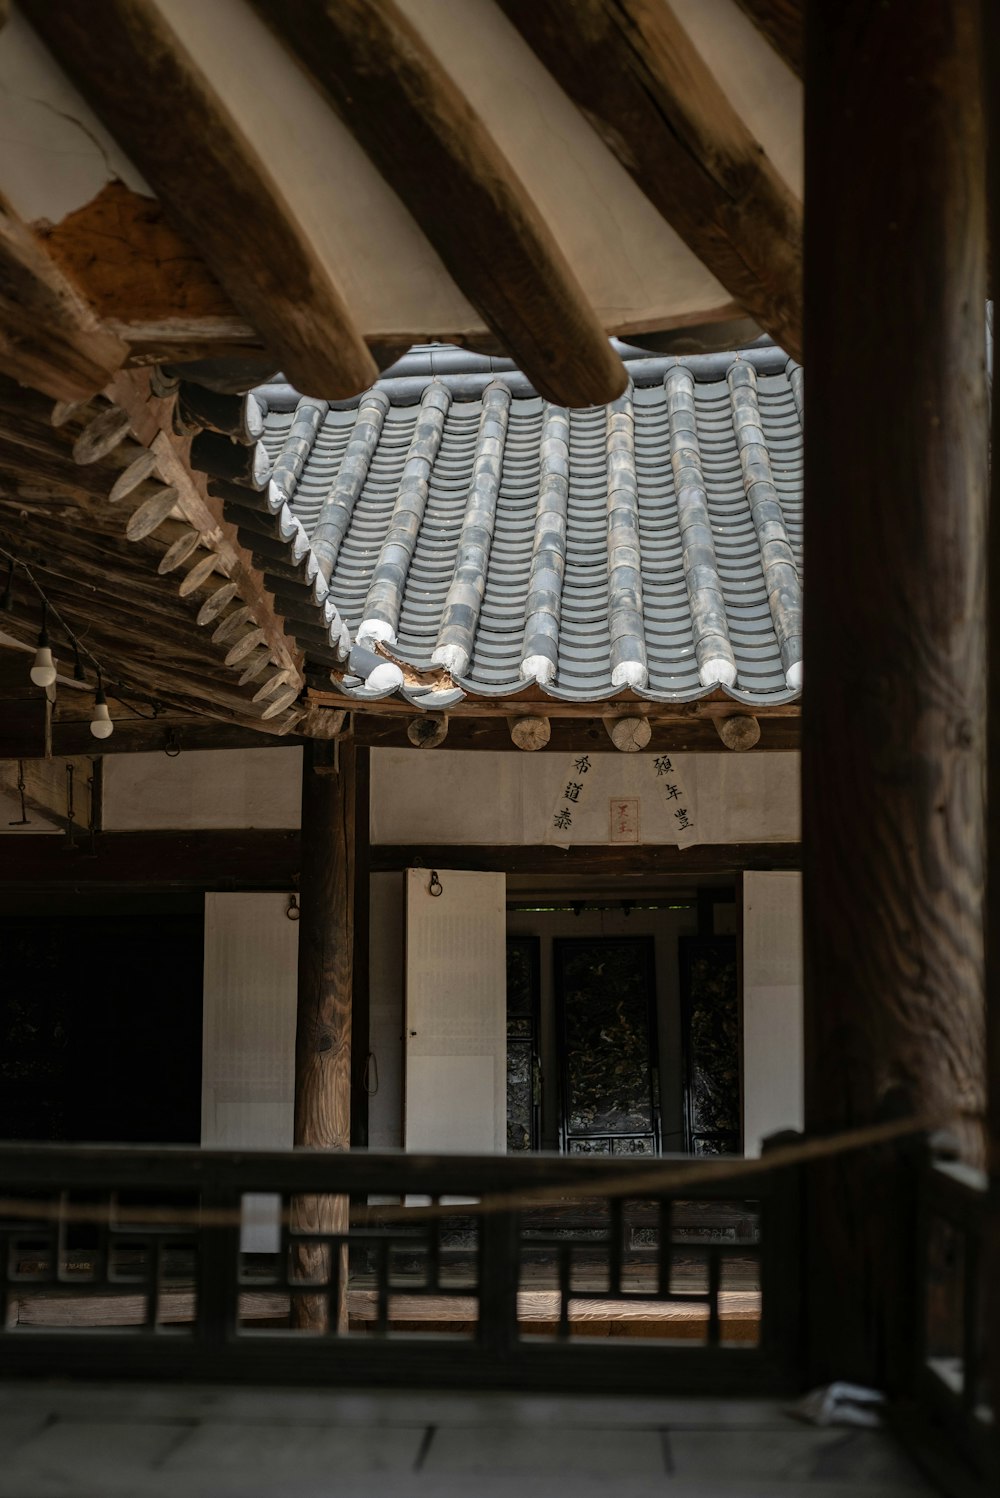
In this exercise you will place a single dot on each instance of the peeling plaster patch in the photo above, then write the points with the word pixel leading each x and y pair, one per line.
pixel 55 155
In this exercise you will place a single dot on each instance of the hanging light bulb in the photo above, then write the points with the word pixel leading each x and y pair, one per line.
pixel 43 667
pixel 101 725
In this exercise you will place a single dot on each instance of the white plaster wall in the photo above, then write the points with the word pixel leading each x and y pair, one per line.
pixel 210 788
pixel 772 1006
pixel 454 796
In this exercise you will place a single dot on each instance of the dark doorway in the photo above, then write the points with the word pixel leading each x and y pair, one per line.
pixel 100 1027
pixel 606 1025
pixel 524 1080
pixel 710 1025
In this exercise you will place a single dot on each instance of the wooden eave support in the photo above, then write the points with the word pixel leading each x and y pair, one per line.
pixel 629 735
pixel 49 336
pixel 530 733
pixel 132 68
pixel 633 71
pixel 740 732
pixel 421 132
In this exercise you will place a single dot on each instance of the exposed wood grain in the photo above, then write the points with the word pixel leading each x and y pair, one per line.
pixel 538 1311
pixel 629 735
pixel 991 52
pixel 893 731
pixel 530 733
pixel 323 1023
pixel 421 132
pixel 49 336
pixel 740 732
pixel 152 422
pixel 783 23
pixel 631 68
pixel 213 181
pixel 364 1065
pixel 573 735
pixel 428 731
pixel 55 514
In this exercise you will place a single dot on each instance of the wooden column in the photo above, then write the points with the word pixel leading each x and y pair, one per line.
pixel 361 1073
pixel 893 724
pixel 991 52
pixel 323 1025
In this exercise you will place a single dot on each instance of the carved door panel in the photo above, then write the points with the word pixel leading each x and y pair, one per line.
pixel 606 1018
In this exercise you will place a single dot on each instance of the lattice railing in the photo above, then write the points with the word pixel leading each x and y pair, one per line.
pixel 952 1377
pixel 395 1268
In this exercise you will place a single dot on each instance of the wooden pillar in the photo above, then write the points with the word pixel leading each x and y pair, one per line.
pixel 893 724
pixel 363 1078
pixel 323 1024
pixel 991 52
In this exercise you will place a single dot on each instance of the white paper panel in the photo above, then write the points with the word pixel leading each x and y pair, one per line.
pixel 248 1066
pixel 203 788
pixel 772 1005
pixel 456 997
pixel 456 796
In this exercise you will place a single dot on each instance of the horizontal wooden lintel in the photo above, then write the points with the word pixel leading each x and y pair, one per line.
pixel 589 858
pixel 269 859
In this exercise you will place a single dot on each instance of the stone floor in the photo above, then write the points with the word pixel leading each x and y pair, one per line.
pixel 183 1441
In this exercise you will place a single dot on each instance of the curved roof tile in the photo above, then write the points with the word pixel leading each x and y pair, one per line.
pixel 651 546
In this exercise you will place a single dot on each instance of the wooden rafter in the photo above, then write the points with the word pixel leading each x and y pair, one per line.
pixel 111 562
pixel 187 144
pixel 426 140
pixel 49 336
pixel 630 66
pixel 783 23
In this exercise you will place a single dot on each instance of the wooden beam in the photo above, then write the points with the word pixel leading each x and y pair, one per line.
pixel 21 735
pixel 631 68
pixel 893 726
pixel 250 859
pixel 585 858
pixel 783 23
pixel 323 1023
pixel 573 735
pixel 49 337
pixel 716 704
pixel 268 859
pixel 740 732
pixel 420 131
pixel 131 67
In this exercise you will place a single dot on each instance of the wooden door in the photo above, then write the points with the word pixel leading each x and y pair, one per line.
pixel 455 1043
pixel 606 1019
pixel 772 1005
pixel 248 1076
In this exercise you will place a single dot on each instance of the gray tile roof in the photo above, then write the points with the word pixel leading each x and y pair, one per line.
pixel 491 541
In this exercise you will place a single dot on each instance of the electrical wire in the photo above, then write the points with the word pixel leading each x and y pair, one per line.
pixel 124 695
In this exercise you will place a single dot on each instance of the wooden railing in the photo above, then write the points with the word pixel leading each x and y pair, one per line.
pixel 521 1272
pixel 951 1376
